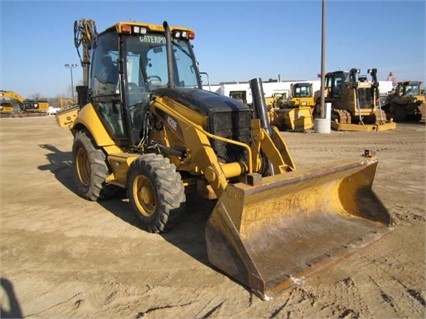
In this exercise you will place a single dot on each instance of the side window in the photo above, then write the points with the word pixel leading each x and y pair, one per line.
pixel 337 85
pixel 309 91
pixel 104 83
pixel 104 80
pixel 185 65
pixel 156 70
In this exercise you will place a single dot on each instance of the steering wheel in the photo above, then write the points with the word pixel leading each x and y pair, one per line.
pixel 154 80
pixel 151 77
pixel 133 88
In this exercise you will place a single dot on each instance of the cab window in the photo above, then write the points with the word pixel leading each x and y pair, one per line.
pixel 104 80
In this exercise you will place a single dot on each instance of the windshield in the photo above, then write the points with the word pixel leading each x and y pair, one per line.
pixel 411 90
pixel 147 63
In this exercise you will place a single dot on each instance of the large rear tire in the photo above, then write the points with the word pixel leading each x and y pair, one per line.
pixel 90 169
pixel 155 192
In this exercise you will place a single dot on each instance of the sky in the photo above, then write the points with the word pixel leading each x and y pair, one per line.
pixel 234 40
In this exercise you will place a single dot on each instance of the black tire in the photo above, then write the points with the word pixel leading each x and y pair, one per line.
pixel 156 192
pixel 90 169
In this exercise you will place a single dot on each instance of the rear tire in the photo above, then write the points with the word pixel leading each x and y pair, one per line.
pixel 90 169
pixel 156 192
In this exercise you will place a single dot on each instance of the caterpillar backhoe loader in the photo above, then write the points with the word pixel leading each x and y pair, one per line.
pixel 144 124
pixel 354 102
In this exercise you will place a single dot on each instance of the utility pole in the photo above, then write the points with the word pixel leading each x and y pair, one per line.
pixel 71 66
pixel 323 60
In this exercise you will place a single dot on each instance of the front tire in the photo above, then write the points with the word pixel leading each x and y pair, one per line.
pixel 90 169
pixel 156 192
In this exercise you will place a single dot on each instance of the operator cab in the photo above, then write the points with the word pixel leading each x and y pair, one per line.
pixel 128 66
pixel 334 82
pixel 411 88
pixel 302 90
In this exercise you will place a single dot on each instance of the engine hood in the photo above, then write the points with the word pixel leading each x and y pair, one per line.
pixel 202 101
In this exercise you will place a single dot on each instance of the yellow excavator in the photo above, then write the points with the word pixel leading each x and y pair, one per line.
pixel 10 103
pixel 36 107
pixel 144 124
pixel 355 102
pixel 13 104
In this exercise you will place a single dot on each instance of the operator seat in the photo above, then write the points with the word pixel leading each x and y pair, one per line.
pixel 110 70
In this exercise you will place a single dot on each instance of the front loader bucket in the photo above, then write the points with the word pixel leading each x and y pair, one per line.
pixel 290 226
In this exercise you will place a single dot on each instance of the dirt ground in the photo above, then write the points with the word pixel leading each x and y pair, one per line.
pixel 65 257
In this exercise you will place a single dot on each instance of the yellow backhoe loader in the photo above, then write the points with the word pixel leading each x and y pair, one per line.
pixel 354 102
pixel 145 124
pixel 406 102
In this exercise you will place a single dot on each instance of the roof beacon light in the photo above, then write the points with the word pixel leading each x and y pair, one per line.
pixel 126 28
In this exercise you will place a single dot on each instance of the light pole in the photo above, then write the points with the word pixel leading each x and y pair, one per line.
pixel 71 66
pixel 322 124
pixel 323 115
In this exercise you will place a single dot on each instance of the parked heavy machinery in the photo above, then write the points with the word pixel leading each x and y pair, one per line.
pixel 354 102
pixel 10 103
pixel 406 102
pixel 13 104
pixel 66 103
pixel 145 124
pixel 38 107
pixel 295 112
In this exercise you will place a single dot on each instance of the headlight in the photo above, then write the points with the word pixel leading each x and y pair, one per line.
pixel 139 30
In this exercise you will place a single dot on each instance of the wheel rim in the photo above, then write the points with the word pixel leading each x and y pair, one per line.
pixel 83 166
pixel 144 195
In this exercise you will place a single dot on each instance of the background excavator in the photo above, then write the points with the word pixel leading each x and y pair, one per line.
pixel 10 103
pixel 144 124
pixel 36 107
pixel 406 102
pixel 355 103
pixel 13 104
